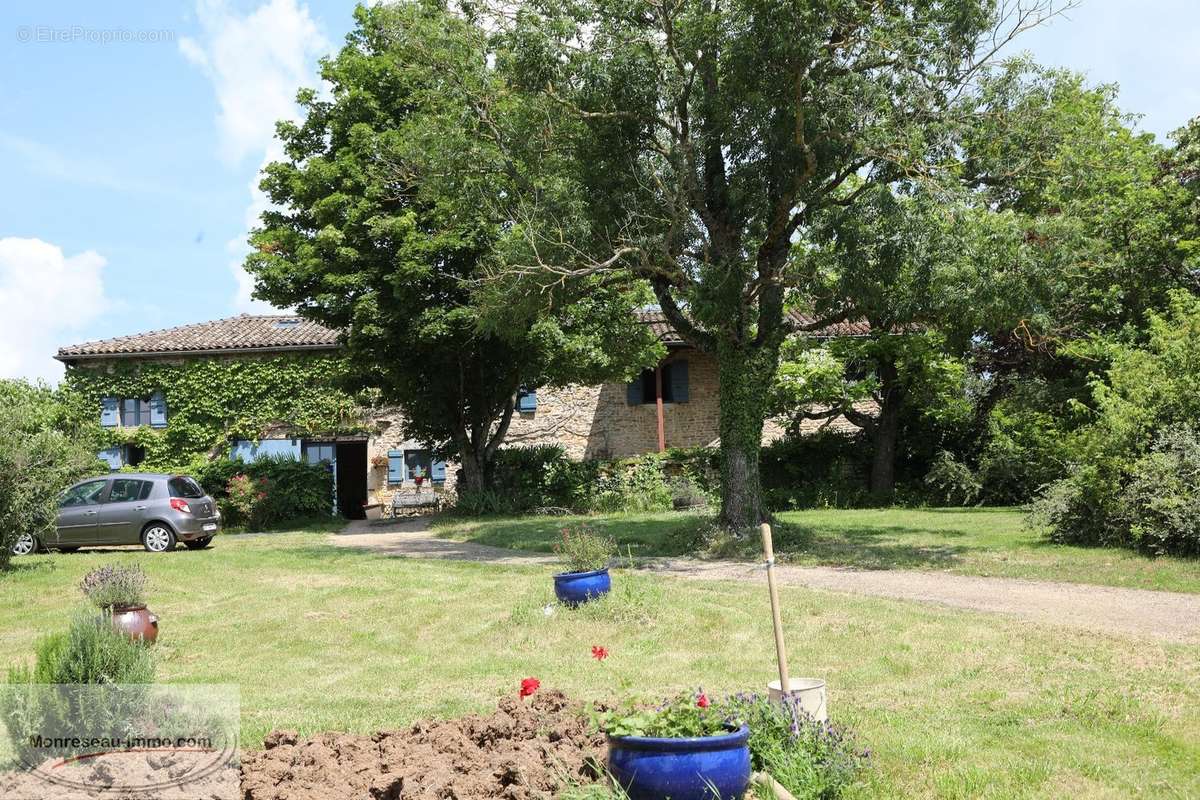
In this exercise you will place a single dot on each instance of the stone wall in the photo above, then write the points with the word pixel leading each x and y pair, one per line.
pixel 389 435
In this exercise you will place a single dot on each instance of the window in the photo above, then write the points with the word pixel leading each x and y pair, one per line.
pixel 417 463
pixel 405 465
pixel 526 401
pixel 317 452
pixel 135 412
pixel 644 389
pixel 85 494
pixel 125 490
pixel 183 486
pixel 131 412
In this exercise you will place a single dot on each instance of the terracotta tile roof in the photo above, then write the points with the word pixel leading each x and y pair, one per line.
pixel 275 332
pixel 666 334
pixel 261 333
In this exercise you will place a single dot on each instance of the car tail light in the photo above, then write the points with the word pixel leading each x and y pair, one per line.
pixel 180 505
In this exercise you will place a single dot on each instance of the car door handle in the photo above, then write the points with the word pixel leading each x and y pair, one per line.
pixel 90 513
pixel 139 508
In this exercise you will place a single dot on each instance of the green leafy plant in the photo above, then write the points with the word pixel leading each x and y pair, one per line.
pixel 687 715
pixel 583 550
pixel 812 760
pixel 115 586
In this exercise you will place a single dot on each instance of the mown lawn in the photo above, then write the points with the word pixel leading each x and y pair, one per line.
pixel 968 541
pixel 952 704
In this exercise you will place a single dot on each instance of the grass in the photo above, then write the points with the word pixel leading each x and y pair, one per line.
pixel 966 541
pixel 952 704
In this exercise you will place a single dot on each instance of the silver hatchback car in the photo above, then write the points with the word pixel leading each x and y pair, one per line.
pixel 150 509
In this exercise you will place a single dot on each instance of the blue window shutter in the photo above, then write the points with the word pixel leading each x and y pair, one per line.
pixel 158 410
pixel 437 471
pixel 526 400
pixel 110 411
pixel 113 457
pixel 395 466
pixel 679 381
pixel 633 392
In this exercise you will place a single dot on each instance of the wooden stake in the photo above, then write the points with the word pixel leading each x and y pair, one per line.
pixel 776 619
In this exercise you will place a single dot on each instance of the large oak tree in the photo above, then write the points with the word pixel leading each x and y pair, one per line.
pixel 694 141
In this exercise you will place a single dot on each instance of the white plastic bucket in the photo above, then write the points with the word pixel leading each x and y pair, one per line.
pixel 809 694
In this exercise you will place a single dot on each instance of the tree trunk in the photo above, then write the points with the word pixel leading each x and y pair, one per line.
pixel 887 427
pixel 474 471
pixel 742 406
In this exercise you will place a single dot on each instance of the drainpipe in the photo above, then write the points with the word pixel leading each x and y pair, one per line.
pixel 658 405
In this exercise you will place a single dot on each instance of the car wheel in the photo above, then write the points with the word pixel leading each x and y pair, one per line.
pixel 198 544
pixel 158 538
pixel 25 544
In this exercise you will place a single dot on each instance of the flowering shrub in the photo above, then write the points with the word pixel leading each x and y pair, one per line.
pixel 584 550
pixel 242 497
pixel 812 760
pixel 115 585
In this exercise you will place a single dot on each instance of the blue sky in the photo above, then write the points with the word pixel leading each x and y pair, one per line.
pixel 131 135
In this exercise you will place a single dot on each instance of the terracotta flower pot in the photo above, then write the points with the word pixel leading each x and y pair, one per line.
pixel 136 622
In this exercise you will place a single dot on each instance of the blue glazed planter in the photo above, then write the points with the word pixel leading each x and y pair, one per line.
pixel 573 588
pixel 701 768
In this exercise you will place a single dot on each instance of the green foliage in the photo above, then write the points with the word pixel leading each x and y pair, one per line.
pixel 951 482
pixel 636 484
pixel 812 760
pixel 90 652
pixel 581 549
pixel 822 470
pixel 45 699
pixel 686 715
pixel 267 492
pixel 115 586
pixel 1149 398
pixel 43 449
pixel 1161 503
pixel 384 224
pixel 529 478
pixel 211 401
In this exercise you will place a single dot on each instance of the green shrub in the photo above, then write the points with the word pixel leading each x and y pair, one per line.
pixel 634 485
pixel 1082 509
pixel 821 470
pixel 43 699
pixel 1132 481
pixel 268 492
pixel 41 453
pixel 951 482
pixel 115 585
pixel 582 549
pixel 1161 503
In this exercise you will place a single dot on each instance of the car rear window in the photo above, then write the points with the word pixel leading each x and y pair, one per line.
pixel 184 487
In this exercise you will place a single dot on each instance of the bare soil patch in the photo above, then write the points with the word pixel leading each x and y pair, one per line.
pixel 523 751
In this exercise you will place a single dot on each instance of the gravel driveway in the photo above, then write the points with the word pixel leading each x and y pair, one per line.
pixel 1169 616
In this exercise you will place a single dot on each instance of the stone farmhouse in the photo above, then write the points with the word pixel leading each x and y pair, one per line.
pixel 671 405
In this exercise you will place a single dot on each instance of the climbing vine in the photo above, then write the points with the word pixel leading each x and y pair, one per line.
pixel 211 401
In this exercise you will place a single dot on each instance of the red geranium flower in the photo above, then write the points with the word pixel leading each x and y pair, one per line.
pixel 599 653
pixel 702 701
pixel 529 686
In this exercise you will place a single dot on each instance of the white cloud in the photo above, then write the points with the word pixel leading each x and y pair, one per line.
pixel 256 63
pixel 47 298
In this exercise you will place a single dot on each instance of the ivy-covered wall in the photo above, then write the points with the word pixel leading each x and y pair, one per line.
pixel 213 400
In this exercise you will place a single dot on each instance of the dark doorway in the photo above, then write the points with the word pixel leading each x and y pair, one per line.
pixel 352 479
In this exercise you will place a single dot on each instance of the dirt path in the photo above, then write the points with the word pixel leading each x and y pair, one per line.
pixel 1161 615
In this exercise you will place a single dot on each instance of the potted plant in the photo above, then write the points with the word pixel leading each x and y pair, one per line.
pixel 120 592
pixel 687 749
pixel 379 462
pixel 418 476
pixel 585 556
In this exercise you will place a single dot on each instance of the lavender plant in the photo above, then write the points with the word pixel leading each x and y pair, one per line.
pixel 114 586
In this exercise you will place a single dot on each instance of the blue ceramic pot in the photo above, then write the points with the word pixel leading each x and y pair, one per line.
pixel 701 768
pixel 573 588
